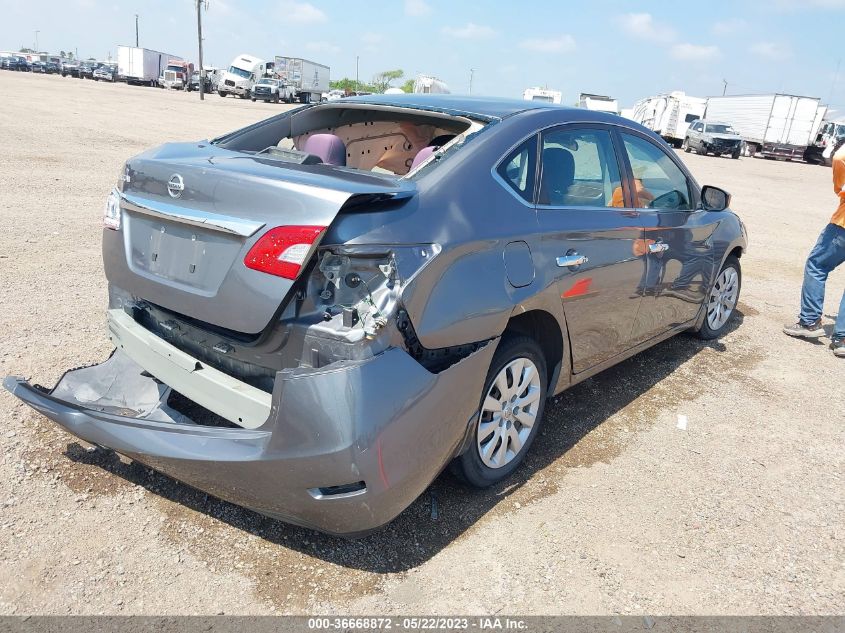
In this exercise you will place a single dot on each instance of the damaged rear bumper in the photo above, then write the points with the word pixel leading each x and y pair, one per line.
pixel 344 450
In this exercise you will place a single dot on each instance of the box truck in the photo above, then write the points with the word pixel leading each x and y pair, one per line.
pixel 772 125
pixel 669 115
pixel 141 65
pixel 309 80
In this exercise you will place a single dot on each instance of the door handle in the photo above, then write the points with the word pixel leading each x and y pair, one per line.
pixel 572 260
pixel 658 247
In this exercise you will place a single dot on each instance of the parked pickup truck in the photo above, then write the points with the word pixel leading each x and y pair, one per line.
pixel 274 90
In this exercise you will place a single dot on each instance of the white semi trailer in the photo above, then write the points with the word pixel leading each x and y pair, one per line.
pixel 426 84
pixel 600 103
pixel 141 66
pixel 772 125
pixel 309 80
pixel 542 94
pixel 669 115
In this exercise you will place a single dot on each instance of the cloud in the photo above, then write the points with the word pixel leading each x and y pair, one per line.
pixel 770 51
pixel 644 26
pixel 561 44
pixel 417 8
pixel 371 41
pixel 322 47
pixel 293 12
pixel 790 5
pixel 471 31
pixel 728 27
pixel 695 52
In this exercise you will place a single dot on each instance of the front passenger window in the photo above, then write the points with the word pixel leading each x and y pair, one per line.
pixel 658 182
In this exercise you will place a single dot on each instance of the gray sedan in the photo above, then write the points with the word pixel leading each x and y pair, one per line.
pixel 316 314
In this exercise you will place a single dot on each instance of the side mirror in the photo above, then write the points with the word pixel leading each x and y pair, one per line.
pixel 714 199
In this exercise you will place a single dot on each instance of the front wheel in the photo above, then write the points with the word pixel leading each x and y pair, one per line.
pixel 722 300
pixel 685 146
pixel 511 410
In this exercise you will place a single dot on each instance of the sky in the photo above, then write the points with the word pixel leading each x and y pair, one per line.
pixel 625 49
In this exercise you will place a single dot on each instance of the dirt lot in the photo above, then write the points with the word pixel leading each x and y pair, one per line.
pixel 617 510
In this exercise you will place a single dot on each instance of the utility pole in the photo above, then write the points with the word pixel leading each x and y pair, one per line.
pixel 725 89
pixel 136 31
pixel 471 73
pixel 199 39
pixel 36 41
pixel 357 85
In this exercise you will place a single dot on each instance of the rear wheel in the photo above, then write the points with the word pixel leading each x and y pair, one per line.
pixel 511 410
pixel 722 300
pixel 221 93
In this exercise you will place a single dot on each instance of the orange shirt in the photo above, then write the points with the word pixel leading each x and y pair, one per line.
pixel 644 196
pixel 839 186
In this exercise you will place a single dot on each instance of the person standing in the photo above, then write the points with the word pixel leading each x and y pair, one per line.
pixel 827 254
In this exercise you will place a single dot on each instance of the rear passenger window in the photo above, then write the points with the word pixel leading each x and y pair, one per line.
pixel 579 169
pixel 518 169
pixel 659 183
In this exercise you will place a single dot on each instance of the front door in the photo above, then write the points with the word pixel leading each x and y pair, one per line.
pixel 589 240
pixel 679 252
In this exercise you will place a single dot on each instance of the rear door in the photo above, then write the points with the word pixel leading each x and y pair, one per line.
pixel 678 249
pixel 589 238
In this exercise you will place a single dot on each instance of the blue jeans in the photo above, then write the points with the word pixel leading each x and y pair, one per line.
pixel 827 254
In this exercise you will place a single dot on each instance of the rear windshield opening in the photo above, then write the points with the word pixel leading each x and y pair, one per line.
pixel 382 139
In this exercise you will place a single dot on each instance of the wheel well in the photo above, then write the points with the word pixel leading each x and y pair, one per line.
pixel 543 328
pixel 736 252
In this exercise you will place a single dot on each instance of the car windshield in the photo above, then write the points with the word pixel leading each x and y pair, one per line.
pixel 175 68
pixel 268 82
pixel 240 72
pixel 719 128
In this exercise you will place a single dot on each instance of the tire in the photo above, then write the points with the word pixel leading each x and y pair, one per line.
pixel 471 466
pixel 735 155
pixel 253 99
pixel 722 300
pixel 685 146
pixel 221 93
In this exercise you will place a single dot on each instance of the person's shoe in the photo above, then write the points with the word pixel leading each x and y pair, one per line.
pixel 838 346
pixel 799 330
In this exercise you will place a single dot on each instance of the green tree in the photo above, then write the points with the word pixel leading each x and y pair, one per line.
pixel 381 81
pixel 408 86
pixel 26 50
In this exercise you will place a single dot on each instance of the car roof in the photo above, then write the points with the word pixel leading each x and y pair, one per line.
pixel 488 107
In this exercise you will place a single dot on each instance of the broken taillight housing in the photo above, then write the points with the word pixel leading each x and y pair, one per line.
pixel 111 214
pixel 283 250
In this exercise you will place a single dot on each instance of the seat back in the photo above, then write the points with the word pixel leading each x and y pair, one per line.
pixel 558 175
pixel 328 147
pixel 422 156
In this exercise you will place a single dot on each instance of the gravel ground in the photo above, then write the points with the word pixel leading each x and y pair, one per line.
pixel 616 511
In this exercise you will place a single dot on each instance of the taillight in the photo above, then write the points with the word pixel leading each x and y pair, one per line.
pixel 283 250
pixel 111 214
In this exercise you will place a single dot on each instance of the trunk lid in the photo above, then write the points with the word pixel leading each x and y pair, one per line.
pixel 191 212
